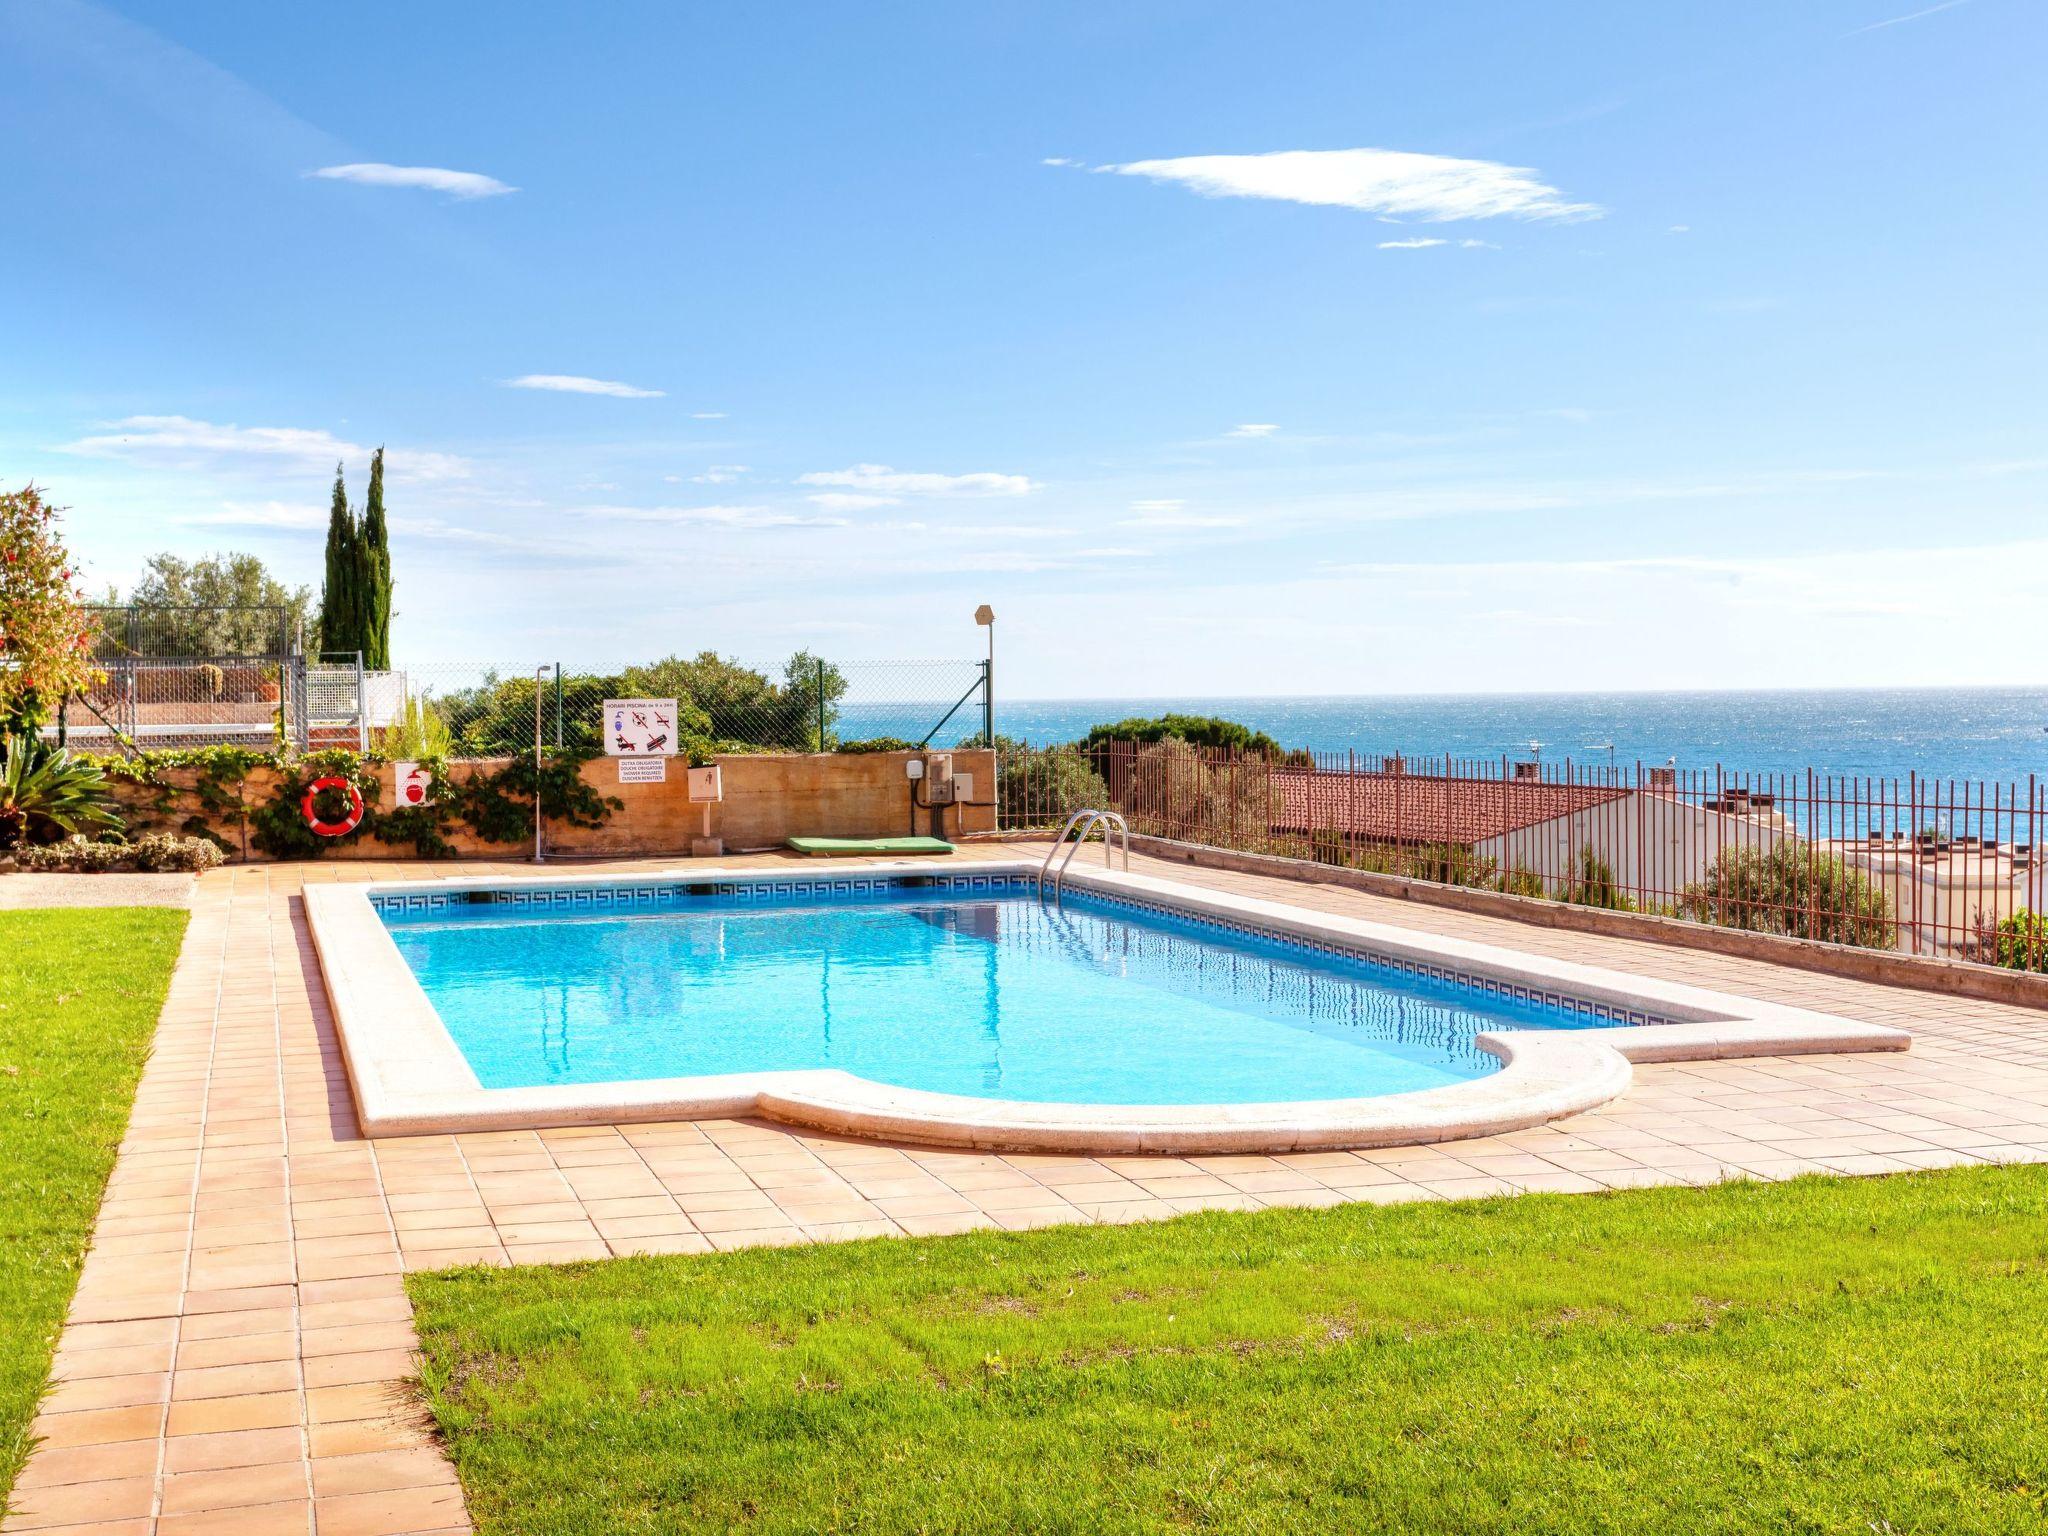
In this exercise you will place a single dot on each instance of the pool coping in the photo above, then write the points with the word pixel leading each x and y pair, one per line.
pixel 410 1078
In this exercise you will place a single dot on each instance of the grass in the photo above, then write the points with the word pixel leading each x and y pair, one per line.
pixel 80 990
pixel 1854 1355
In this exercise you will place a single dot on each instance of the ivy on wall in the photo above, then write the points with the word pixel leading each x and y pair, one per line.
pixel 495 805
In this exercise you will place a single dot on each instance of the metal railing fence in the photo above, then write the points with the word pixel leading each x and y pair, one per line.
pixel 1925 866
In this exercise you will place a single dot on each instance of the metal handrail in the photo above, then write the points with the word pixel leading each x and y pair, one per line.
pixel 1054 851
pixel 1089 819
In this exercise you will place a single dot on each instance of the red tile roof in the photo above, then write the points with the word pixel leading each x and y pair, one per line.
pixel 1424 808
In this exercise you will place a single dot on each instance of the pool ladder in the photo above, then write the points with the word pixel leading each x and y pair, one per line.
pixel 1087 819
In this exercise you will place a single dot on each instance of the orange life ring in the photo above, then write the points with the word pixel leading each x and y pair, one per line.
pixel 348 823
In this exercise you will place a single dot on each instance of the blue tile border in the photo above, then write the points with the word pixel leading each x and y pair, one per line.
pixel 1477 981
pixel 633 895
pixel 659 895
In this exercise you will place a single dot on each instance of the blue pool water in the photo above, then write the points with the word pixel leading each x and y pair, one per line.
pixel 983 993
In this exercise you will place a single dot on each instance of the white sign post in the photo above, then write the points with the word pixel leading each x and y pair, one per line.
pixel 707 788
pixel 640 727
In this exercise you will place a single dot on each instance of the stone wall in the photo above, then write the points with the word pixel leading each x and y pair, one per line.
pixel 767 798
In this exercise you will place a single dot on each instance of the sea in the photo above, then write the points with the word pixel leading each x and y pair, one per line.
pixel 1994 734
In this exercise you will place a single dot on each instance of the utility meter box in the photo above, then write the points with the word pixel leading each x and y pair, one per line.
pixel 938 779
pixel 706 784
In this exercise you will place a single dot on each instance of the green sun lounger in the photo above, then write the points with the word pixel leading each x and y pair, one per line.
pixel 842 847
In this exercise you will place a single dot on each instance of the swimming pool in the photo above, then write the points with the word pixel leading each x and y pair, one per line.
pixel 949 1004
pixel 989 992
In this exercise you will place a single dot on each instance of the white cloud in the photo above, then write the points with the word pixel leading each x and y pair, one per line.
pixel 1171 512
pixel 1253 429
pixel 463 186
pixel 1058 160
pixel 1681 229
pixel 981 531
pixel 1185 520
pixel 707 415
pixel 720 474
pixel 1879 26
pixel 715 516
pixel 184 442
pixel 264 514
pixel 881 480
pixel 1385 181
pixel 1423 243
pixel 851 501
pixel 577 384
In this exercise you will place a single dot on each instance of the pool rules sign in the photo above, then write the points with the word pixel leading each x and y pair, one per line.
pixel 641 734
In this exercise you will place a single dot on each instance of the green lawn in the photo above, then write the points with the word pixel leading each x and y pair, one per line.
pixel 80 989
pixel 1853 1355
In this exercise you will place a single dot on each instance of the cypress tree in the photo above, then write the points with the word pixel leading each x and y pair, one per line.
pixel 340 610
pixel 373 554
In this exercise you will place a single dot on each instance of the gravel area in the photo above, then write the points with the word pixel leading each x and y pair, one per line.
pixel 19 890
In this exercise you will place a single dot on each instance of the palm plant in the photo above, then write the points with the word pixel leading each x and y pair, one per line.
pixel 44 789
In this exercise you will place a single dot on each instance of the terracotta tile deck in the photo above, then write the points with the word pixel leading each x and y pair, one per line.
pixel 237 1356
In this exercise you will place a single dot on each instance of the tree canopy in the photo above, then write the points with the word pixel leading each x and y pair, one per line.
pixel 45 634
pixel 355 592
pixel 216 605
pixel 1196 730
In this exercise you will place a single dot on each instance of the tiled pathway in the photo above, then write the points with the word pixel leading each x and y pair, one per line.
pixel 237 1355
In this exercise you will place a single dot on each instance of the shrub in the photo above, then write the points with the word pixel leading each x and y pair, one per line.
pixel 421 735
pixel 1173 792
pixel 45 792
pixel 1791 889
pixel 1044 785
pixel 159 851
pixel 1205 731
pixel 1446 864
pixel 75 855
pixel 155 853
pixel 2019 943
pixel 1592 884
pixel 875 744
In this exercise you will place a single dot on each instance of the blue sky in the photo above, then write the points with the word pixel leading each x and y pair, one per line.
pixel 1288 348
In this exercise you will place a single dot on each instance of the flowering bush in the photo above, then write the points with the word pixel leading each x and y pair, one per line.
pixel 45 635
pixel 157 852
pixel 75 855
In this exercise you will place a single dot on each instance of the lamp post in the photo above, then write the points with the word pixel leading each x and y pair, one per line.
pixel 985 616
pixel 540 675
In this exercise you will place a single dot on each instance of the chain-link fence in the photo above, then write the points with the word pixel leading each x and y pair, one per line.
pixel 192 632
pixel 806 704
pixel 478 709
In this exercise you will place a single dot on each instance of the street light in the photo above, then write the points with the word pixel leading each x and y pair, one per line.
pixel 540 676
pixel 985 616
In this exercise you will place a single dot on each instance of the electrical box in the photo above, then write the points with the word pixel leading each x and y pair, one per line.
pixel 963 786
pixel 939 791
